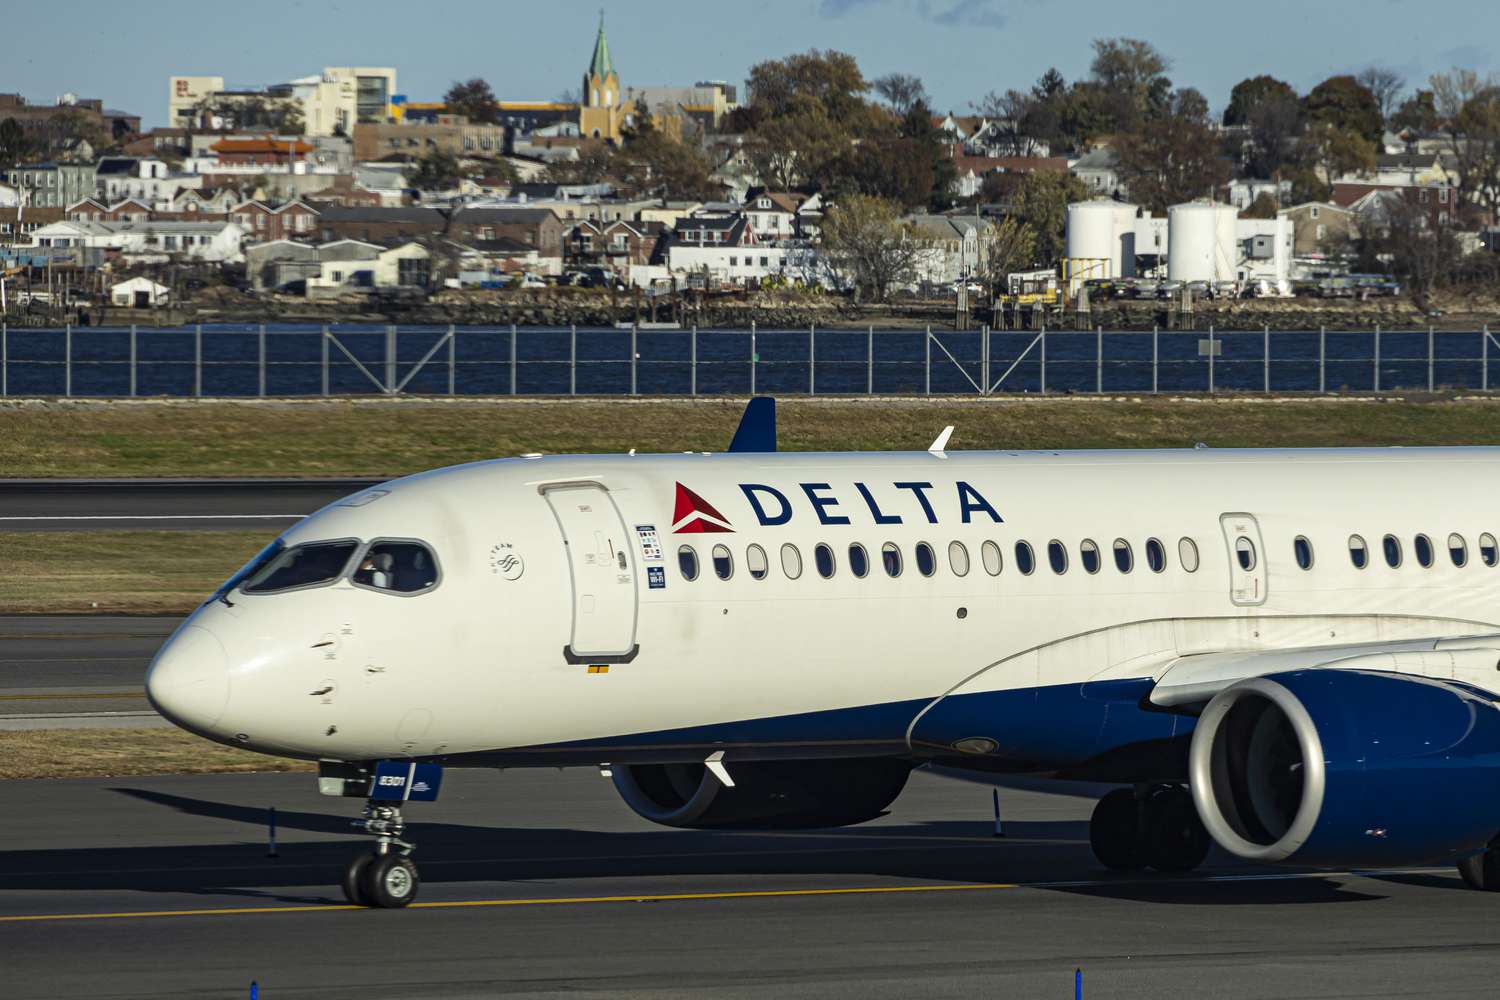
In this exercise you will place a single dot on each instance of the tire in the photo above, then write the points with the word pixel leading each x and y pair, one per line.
pixel 1176 840
pixel 390 882
pixel 1482 871
pixel 354 878
pixel 1113 832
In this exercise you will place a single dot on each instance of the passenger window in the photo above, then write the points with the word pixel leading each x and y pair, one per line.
pixel 1391 545
pixel 1359 553
pixel 1302 549
pixel 890 555
pixel 791 561
pixel 1488 551
pixel 1089 555
pixel 1422 547
pixel 958 558
pixel 755 562
pixel 1244 552
pixel 859 560
pixel 302 566
pixel 1156 555
pixel 989 554
pixel 1124 556
pixel 1057 555
pixel 723 562
pixel 1025 559
pixel 926 560
pixel 400 567
pixel 823 559
pixel 1458 549
pixel 1187 554
pixel 687 562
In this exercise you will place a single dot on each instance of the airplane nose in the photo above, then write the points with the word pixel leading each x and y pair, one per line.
pixel 188 681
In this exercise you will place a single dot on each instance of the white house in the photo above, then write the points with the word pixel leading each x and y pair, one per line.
pixel 145 179
pixel 1098 170
pixel 139 293
pixel 1244 190
pixel 353 264
pixel 955 246
pixel 217 242
pixel 9 196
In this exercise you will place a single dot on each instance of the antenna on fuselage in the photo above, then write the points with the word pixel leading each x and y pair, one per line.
pixel 757 429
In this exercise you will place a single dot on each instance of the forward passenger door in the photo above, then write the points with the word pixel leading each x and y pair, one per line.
pixel 602 569
pixel 1247 564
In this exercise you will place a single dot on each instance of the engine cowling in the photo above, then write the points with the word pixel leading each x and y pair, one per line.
pixel 788 794
pixel 1348 767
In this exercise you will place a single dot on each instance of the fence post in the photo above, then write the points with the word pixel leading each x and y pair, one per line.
pixel 1484 360
pixel 5 359
pixel 1265 358
pixel 132 359
pixel 812 360
pixel 1210 359
pixel 1155 357
pixel 262 359
pixel 1322 359
pixel 634 354
pixel 927 365
pixel 1429 359
pixel 1098 360
pixel 1377 357
pixel 693 384
pixel 1044 359
pixel 870 360
pixel 323 351
pixel 984 362
pixel 752 357
pixel 390 359
pixel 513 359
pixel 573 360
pixel 198 361
pixel 452 360
pixel 68 360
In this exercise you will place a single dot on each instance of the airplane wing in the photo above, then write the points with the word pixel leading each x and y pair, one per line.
pixel 1188 682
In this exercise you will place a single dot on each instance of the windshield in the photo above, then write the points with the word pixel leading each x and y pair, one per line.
pixel 256 563
pixel 399 567
pixel 302 566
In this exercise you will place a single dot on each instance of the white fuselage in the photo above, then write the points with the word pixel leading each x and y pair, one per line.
pixel 532 650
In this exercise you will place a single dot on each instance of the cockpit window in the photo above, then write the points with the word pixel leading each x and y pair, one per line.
pixel 254 566
pixel 399 567
pixel 301 566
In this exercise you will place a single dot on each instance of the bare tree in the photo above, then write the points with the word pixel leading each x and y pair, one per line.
pixel 1007 248
pixel 901 91
pixel 866 246
pixel 1468 105
pixel 1387 86
pixel 1012 117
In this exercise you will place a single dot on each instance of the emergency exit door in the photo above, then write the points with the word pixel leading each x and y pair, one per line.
pixel 1247 563
pixel 603 574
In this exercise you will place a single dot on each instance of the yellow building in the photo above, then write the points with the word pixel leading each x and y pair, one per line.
pixel 602 111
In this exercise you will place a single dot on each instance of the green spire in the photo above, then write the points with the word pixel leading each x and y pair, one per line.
pixel 601 67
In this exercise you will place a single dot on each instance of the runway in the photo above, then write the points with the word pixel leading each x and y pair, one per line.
pixel 538 883
pixel 164 504
pixel 77 672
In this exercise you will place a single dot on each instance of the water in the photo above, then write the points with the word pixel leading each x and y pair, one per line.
pixel 846 362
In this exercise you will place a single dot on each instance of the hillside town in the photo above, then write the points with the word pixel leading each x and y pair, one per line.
pixel 336 190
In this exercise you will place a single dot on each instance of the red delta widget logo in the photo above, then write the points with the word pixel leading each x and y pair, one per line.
pixel 771 506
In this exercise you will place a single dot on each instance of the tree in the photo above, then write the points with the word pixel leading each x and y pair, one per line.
pixel 1040 200
pixel 1251 93
pixel 901 91
pixel 799 147
pixel 1009 246
pixel 437 171
pixel 12 142
pixel 1015 117
pixel 1131 75
pixel 1171 160
pixel 594 164
pixel 782 86
pixel 1468 110
pixel 1335 152
pixel 867 247
pixel 475 100
pixel 932 149
pixel 1416 241
pixel 1345 103
pixel 1417 113
pixel 1273 124
pixel 1189 103
pixel 892 168
pixel 654 163
pixel 1386 85
pixel 1263 207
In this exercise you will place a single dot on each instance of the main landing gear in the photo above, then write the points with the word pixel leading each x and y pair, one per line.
pixel 1482 871
pixel 385 877
pixel 1148 826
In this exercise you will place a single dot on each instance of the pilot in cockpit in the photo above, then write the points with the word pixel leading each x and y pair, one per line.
pixel 375 570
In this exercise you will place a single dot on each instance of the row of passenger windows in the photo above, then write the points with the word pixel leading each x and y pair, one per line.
pixel 925 559
pixel 1392 549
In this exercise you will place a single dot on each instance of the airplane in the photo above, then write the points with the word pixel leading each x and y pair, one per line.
pixel 1294 654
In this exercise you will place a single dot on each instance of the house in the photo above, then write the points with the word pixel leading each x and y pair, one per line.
pixel 51 185
pixel 1321 229
pixel 972 170
pixel 262 222
pixel 17 225
pixel 209 241
pixel 725 250
pixel 205 200
pixel 618 244
pixel 1000 138
pixel 273 265
pixel 483 263
pixel 955 246
pixel 139 293
pixel 540 227
pixel 1407 169
pixel 1244 190
pixel 373 224
pixel 778 215
pixel 351 265
pixel 145 179
pixel 93 210
pixel 1098 169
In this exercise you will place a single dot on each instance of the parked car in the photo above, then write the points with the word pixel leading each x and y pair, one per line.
pixel 1168 289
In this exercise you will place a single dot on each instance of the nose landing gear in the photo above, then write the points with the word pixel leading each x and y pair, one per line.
pixel 1149 826
pixel 385 877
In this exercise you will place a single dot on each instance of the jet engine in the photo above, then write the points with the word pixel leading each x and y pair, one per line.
pixel 1348 767
pixel 782 794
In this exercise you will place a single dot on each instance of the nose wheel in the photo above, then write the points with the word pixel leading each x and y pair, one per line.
pixel 1151 826
pixel 385 877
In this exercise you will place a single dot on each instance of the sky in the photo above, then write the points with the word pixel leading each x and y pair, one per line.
pixel 962 49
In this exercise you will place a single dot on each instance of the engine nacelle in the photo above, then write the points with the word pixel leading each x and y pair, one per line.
pixel 788 794
pixel 1348 767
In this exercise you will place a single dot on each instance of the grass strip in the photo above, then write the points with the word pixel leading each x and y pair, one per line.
pixel 108 753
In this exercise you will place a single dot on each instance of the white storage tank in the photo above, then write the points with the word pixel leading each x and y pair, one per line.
pixel 1103 229
pixel 1201 243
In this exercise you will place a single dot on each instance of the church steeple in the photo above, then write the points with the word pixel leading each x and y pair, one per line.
pixel 601 67
pixel 601 113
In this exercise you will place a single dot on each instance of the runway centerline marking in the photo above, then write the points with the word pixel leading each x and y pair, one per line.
pixel 730 894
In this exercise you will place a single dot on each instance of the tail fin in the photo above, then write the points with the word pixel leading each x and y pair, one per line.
pixel 757 430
